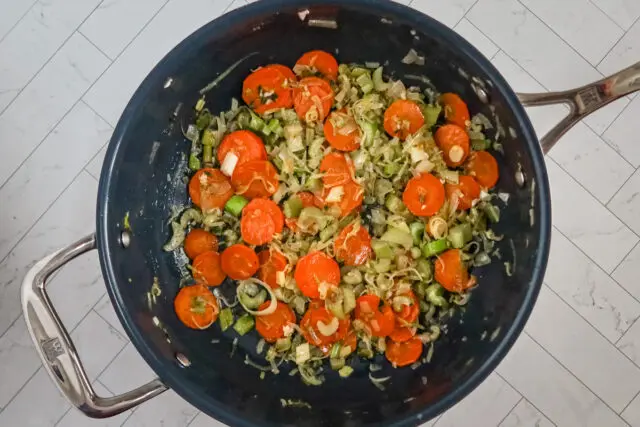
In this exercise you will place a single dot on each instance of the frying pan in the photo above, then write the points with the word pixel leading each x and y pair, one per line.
pixel 143 174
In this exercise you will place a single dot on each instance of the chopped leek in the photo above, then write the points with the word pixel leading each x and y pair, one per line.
pixel 292 207
pixel 492 212
pixel 417 232
pixel 424 268
pixel 345 371
pixel 399 237
pixel 431 114
pixel 382 249
pixel 395 204
pixel 435 295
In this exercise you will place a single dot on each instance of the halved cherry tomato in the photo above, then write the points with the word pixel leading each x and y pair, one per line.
pixel 210 189
pixel 454 143
pixel 312 331
pixel 207 269
pixel 352 197
pixel 403 353
pixel 261 219
pixel 484 168
pixel 239 262
pixel 199 241
pixel 463 193
pixel 271 326
pixel 353 247
pixel 423 195
pixel 269 88
pixel 271 262
pixel 337 169
pixel 312 99
pixel 451 272
pixel 379 322
pixel 341 131
pixel 320 61
pixel 316 269
pixel 402 333
pixel 455 109
pixel 255 178
pixel 403 118
pixel 245 144
pixel 196 306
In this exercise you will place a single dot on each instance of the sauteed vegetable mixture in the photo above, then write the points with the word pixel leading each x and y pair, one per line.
pixel 346 209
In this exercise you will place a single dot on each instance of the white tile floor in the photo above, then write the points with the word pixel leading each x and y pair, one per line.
pixel 65 76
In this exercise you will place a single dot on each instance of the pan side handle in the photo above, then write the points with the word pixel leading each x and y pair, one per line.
pixel 584 100
pixel 54 345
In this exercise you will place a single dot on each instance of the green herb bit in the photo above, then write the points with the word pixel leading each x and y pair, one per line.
pixel 235 205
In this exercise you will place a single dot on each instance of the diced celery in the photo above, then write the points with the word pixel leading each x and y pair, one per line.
pixel 235 205
pixel 417 232
pixel 292 207
pixel 431 114
pixel 345 371
pixel 226 319
pixel 378 83
pixel 434 247
pixel 194 162
pixel 424 268
pixel 244 324
pixel 460 235
pixel 382 249
pixel 435 295
pixel 256 124
pixel 382 265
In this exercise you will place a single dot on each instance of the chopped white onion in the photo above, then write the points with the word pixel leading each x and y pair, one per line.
pixel 229 164
pixel 424 166
pixel 418 155
pixel 335 194
pixel 328 329
pixel 412 57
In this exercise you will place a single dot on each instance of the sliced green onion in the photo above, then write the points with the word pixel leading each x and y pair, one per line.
pixel 226 319
pixel 292 207
pixel 235 205
pixel 417 232
pixel 434 247
pixel 244 324
pixel 492 212
pixel 460 235
pixel 382 249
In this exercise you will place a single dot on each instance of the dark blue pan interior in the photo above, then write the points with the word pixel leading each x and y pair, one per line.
pixel 143 172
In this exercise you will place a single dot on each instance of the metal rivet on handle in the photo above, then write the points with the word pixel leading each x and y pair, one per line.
pixel 125 239
pixel 183 360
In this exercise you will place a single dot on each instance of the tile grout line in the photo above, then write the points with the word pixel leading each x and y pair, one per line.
pixel 56 125
pixel 592 195
pixel 93 44
pixel 612 20
pixel 463 17
pixel 64 42
pixel 513 407
pixel 574 376
pixel 562 38
pixel 619 40
pixel 597 265
pixel 524 397
pixel 40 366
pixel 18 21
pixel 594 328
pixel 611 124
pixel 618 190
pixel 627 405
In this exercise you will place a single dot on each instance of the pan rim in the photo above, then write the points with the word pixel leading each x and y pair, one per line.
pixel 171 377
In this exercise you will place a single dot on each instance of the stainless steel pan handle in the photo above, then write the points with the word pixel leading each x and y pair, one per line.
pixel 56 349
pixel 584 100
